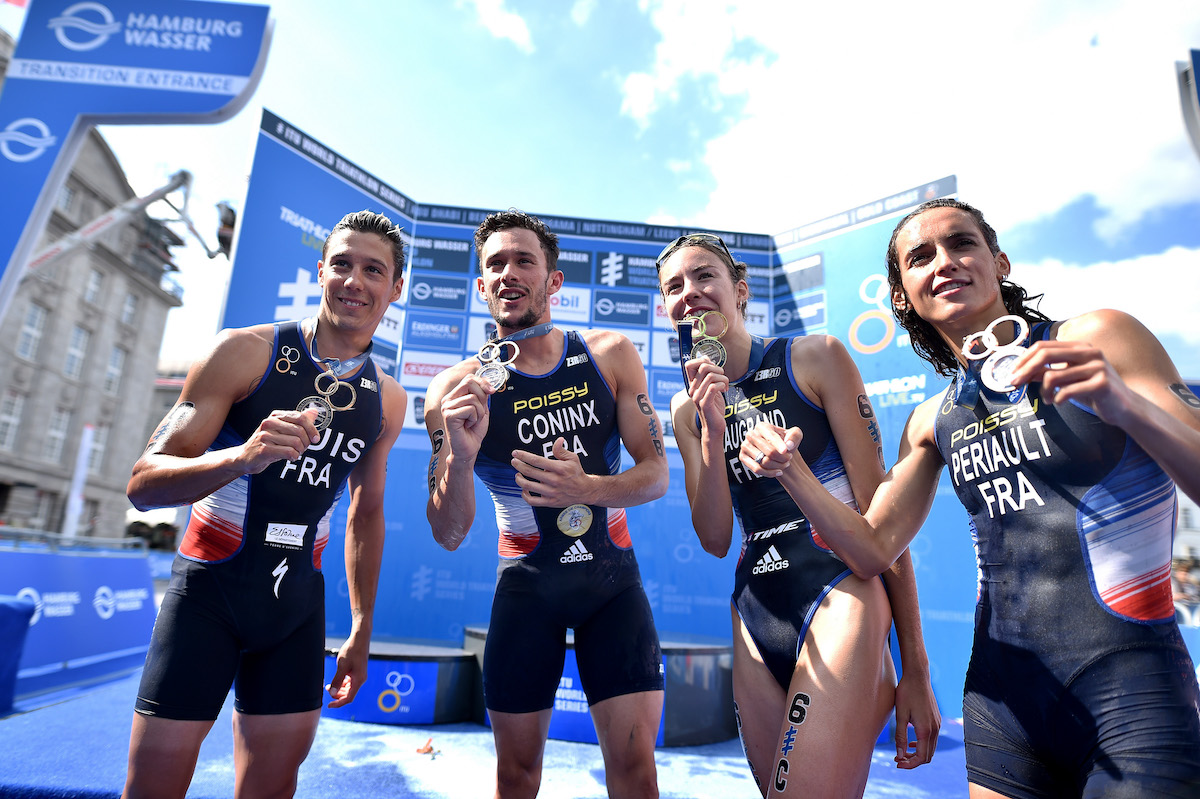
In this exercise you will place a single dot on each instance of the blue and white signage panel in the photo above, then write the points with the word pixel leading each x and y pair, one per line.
pixel 78 64
pixel 299 189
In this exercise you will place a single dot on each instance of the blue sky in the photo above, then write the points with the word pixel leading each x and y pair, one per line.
pixel 1061 120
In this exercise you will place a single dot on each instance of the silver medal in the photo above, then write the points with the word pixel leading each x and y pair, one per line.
pixel 710 349
pixel 998 367
pixel 322 407
pixel 495 373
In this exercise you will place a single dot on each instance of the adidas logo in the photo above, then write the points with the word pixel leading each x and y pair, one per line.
pixel 770 562
pixel 577 553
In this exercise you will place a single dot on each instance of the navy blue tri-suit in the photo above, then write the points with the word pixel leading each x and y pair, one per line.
pixel 245 604
pixel 1079 683
pixel 562 568
pixel 784 569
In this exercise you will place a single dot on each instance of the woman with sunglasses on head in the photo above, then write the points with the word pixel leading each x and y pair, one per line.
pixel 813 679
pixel 1063 439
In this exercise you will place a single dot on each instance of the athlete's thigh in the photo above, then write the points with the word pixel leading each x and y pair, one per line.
pixel 268 751
pixel 617 649
pixel 841 693
pixel 193 657
pixel 162 756
pixel 523 655
pixel 286 676
pixel 758 703
pixel 1143 703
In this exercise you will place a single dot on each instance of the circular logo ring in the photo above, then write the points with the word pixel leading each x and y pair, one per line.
pixel 701 323
pixel 333 389
pixel 288 357
pixel 493 352
pixel 889 327
pixel 988 338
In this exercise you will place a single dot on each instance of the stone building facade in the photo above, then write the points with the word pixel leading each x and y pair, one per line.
pixel 79 349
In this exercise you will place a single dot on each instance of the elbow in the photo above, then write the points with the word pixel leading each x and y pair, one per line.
pixel 447 539
pixel 714 542
pixel 448 543
pixel 659 488
pixel 137 497
pixel 868 565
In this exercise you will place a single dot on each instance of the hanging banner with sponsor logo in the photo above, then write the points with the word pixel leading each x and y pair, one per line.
pixel 299 189
pixel 79 64
pixel 93 614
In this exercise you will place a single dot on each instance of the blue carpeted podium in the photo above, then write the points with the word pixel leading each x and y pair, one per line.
pixel 416 683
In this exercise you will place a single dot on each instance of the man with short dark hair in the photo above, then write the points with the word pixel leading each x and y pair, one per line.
pixel 272 425
pixel 540 416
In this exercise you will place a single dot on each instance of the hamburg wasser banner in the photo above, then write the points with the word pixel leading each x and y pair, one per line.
pixel 79 64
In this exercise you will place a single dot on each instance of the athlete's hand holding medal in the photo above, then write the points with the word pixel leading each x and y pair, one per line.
pixel 700 337
pixel 703 357
pixel 991 362
pixel 494 359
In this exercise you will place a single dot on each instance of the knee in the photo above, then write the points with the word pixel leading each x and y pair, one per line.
pixel 641 783
pixel 514 779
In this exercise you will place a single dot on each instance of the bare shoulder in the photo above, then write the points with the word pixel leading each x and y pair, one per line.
pixel 919 429
pixel 822 366
pixel 394 401
pixel 1100 326
pixel 234 364
pixel 392 393
pixel 608 342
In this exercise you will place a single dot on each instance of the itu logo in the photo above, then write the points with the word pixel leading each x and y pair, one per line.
pixel 72 19
pixel 16 133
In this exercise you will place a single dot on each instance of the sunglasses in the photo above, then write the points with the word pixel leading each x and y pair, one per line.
pixel 692 238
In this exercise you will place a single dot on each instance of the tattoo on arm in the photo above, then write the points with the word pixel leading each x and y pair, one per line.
pixel 644 403
pixel 658 446
pixel 438 437
pixel 173 420
pixel 864 407
pixel 1185 395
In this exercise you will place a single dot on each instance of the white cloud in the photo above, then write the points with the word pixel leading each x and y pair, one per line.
pixel 581 11
pixel 1032 105
pixel 504 24
pixel 1160 290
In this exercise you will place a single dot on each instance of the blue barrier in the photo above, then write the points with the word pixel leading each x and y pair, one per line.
pixel 94 611
pixel 15 613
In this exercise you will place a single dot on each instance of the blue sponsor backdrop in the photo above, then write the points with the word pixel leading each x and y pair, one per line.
pixel 112 62
pixel 300 187
pixel 94 613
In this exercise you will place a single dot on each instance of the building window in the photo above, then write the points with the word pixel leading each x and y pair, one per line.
pixel 66 198
pixel 31 331
pixel 76 352
pixel 129 309
pixel 99 445
pixel 112 375
pixel 56 435
pixel 91 292
pixel 1185 518
pixel 11 405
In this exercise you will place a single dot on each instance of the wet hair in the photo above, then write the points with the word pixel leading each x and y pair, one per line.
pixel 370 222
pixel 512 218
pixel 736 269
pixel 926 341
